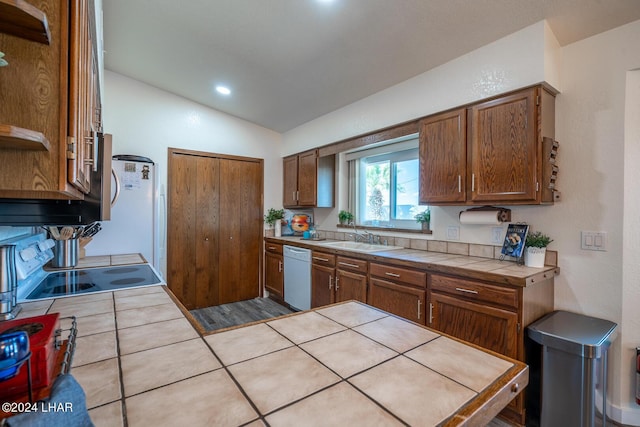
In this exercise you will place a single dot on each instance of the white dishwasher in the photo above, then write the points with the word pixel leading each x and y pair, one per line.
pixel 297 277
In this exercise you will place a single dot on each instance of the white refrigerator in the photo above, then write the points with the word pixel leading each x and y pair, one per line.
pixel 134 224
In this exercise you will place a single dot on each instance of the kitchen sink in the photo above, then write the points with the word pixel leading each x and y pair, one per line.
pixel 360 247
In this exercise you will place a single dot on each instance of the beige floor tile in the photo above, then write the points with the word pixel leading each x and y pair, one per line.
pixel 83 299
pixel 89 325
pixel 108 415
pixel 256 423
pixel 246 343
pixel 154 335
pixel 352 314
pixel 96 347
pixel 211 399
pixel 144 300
pixel 145 315
pixel 305 327
pixel 348 407
pixel 36 308
pixel 460 362
pixel 415 394
pixel 142 290
pixel 396 334
pixel 347 352
pixel 100 382
pixel 160 366
pixel 279 378
pixel 81 309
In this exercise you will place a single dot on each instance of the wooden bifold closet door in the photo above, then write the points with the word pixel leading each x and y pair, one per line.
pixel 214 227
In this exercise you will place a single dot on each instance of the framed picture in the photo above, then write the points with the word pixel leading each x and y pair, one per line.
pixel 514 240
pixel 296 222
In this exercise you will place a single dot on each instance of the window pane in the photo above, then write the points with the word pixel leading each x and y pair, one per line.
pixel 377 188
pixel 406 190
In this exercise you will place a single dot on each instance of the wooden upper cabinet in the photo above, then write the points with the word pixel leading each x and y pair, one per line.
pixel 504 149
pixel 44 89
pixel 290 179
pixel 84 97
pixel 307 178
pixel 443 157
pixel 304 176
pixel 490 152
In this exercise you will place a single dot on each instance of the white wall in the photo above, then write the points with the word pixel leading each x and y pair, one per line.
pixel 147 121
pixel 590 125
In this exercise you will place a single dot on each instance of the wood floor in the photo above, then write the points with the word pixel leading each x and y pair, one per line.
pixel 238 313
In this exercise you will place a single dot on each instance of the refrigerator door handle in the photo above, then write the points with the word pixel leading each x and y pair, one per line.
pixel 116 193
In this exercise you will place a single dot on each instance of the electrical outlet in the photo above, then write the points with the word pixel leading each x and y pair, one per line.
pixel 496 235
pixel 453 232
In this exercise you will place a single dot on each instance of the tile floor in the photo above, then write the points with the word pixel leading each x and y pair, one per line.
pixel 145 362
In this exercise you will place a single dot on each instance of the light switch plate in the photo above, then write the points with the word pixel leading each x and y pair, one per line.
pixel 497 235
pixel 593 240
pixel 453 232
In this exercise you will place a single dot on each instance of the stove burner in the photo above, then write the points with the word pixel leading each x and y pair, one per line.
pixel 29 328
pixel 128 281
pixel 121 270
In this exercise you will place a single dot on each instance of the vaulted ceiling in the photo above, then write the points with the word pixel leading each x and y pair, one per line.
pixel 290 61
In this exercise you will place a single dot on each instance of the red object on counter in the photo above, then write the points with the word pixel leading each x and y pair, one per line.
pixel 42 337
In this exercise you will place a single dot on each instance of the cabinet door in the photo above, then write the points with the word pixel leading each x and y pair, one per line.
pixel 403 301
pixel 350 286
pixel 274 274
pixel 241 223
pixel 443 158
pixel 322 279
pixel 307 178
pixel 290 184
pixel 504 149
pixel 489 327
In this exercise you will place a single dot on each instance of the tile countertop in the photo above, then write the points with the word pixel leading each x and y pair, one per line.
pixel 472 267
pixel 347 364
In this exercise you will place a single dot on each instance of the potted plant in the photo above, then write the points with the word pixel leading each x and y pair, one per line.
pixel 536 249
pixel 274 218
pixel 424 218
pixel 345 217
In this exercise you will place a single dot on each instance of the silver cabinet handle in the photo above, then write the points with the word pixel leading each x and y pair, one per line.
pixel 392 274
pixel 272 248
pixel 459 184
pixel 279 266
pixel 419 305
pixel 468 291
pixel 320 259
pixel 473 182
pixel 430 313
pixel 337 287
pixel 349 265
pixel 330 282
pixel 297 195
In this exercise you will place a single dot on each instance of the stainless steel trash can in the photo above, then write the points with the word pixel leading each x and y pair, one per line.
pixel 574 368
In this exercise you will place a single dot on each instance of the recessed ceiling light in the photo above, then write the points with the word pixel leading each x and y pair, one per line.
pixel 223 90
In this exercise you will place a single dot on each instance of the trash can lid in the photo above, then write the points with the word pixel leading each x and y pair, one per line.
pixel 574 333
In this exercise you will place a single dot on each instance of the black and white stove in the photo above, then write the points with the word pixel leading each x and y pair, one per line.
pixel 34 283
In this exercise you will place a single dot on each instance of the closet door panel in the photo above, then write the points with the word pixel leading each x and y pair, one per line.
pixel 182 230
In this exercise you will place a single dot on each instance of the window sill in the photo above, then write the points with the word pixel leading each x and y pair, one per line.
pixel 371 227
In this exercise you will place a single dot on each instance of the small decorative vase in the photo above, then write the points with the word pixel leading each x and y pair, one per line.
pixel 534 257
pixel 425 226
pixel 278 228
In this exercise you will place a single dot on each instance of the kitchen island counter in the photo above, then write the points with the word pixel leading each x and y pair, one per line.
pixel 347 364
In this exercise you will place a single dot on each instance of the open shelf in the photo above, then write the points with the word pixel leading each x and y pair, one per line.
pixel 22 139
pixel 19 18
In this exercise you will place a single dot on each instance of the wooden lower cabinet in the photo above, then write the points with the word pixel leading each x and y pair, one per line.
pixel 336 279
pixel 274 272
pixel 489 315
pixel 404 301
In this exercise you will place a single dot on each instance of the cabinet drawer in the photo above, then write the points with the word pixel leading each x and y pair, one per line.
pixel 477 291
pixel 276 248
pixel 351 264
pixel 322 258
pixel 399 274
